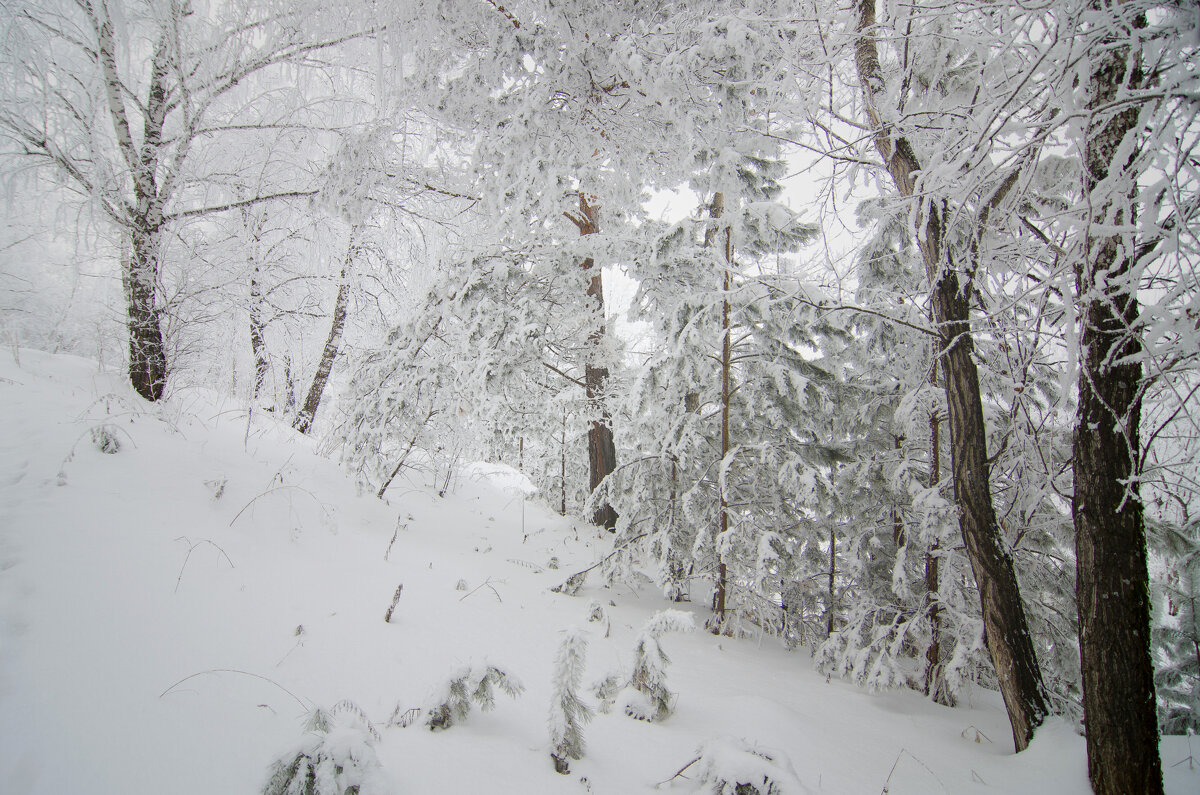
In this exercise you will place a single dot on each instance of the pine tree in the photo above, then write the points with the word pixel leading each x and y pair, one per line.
pixel 651 700
pixel 567 712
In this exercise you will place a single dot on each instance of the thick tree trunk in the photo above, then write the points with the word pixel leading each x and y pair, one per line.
pixel 602 452
pixel 147 349
pixel 1112 582
pixel 333 344
pixel 1006 630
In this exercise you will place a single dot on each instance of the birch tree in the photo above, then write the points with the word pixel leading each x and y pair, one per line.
pixel 126 102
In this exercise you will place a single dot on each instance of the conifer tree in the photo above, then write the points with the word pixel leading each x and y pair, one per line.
pixel 567 712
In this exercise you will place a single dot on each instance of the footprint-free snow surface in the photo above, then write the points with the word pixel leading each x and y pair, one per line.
pixel 181 585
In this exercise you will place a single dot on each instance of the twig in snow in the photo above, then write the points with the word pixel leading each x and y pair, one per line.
pixel 387 617
pixel 191 547
pixel 272 491
pixel 678 773
pixel 300 701
pixel 887 782
pixel 488 584
pixel 399 527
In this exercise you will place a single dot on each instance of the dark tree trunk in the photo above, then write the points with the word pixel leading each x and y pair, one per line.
pixel 147 349
pixel 312 402
pixel 1112 583
pixel 1006 630
pixel 602 452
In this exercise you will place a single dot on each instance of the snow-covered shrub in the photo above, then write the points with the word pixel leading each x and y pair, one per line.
pixel 104 439
pixel 651 700
pixel 606 691
pixel 597 614
pixel 476 683
pixel 730 766
pixel 567 712
pixel 336 757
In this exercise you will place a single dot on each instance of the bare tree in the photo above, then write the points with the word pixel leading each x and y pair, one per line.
pixel 120 100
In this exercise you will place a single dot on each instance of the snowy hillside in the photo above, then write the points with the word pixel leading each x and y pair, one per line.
pixel 180 586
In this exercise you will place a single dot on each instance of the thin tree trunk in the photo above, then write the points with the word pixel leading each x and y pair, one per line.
pixel 1112 582
pixel 602 452
pixel 719 618
pixel 562 475
pixel 832 577
pixel 897 519
pixel 312 402
pixel 935 682
pixel 258 344
pixel 1006 630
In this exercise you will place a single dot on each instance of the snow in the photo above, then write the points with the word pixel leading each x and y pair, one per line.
pixel 161 634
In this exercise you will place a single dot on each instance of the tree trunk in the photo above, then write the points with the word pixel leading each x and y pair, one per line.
pixel 1112 582
pixel 1006 630
pixel 719 619
pixel 562 473
pixel 602 452
pixel 829 614
pixel 147 349
pixel 258 345
pixel 935 682
pixel 312 402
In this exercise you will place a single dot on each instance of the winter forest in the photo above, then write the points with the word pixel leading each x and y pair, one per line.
pixel 861 338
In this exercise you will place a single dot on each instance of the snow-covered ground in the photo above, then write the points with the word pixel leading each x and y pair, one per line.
pixel 170 611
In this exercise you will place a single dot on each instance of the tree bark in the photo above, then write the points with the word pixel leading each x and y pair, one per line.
pixel 602 452
pixel 1006 630
pixel 1112 582
pixel 312 401
pixel 147 349
pixel 258 344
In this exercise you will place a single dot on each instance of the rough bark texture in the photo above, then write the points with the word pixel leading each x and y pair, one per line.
pixel 147 349
pixel 1112 583
pixel 1006 630
pixel 258 343
pixel 333 344
pixel 602 452
pixel 143 217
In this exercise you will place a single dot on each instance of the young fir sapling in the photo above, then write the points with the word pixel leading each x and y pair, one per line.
pixel 476 683
pixel 567 712
pixel 729 766
pixel 651 700
pixel 337 757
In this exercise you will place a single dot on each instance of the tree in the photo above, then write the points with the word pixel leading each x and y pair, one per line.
pixel 567 712
pixel 1005 624
pixel 1112 578
pixel 122 103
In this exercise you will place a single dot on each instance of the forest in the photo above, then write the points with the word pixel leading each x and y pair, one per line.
pixel 862 326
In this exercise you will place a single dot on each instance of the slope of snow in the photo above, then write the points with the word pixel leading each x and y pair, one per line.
pixel 171 611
